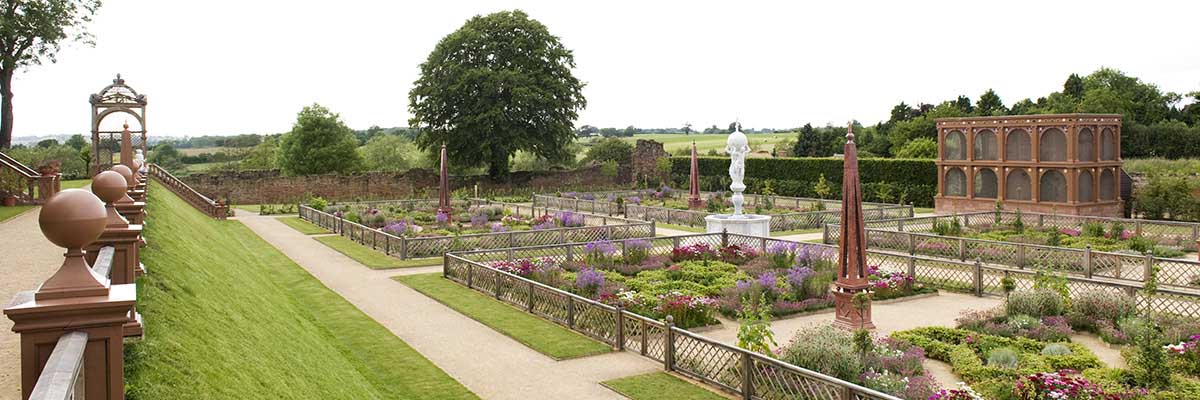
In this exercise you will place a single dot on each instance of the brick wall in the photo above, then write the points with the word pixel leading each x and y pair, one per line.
pixel 268 186
pixel 645 154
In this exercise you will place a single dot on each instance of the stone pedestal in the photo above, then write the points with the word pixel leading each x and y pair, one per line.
pixel 41 322
pixel 746 224
pixel 132 211
pixel 138 195
pixel 847 317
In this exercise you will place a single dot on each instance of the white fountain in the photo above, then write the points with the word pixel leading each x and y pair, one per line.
pixel 747 224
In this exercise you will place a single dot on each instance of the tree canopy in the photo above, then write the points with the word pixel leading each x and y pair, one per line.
pixel 319 143
pixel 498 84
pixel 31 32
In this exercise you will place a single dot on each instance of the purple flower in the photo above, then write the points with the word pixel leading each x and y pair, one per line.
pixel 498 227
pixel 797 275
pixel 637 244
pixel 767 281
pixel 601 248
pixel 589 280
pixel 396 228
pixel 478 220
pixel 442 217
pixel 634 200
pixel 588 196
pixel 781 248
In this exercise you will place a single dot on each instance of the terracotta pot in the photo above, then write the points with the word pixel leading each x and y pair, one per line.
pixel 10 201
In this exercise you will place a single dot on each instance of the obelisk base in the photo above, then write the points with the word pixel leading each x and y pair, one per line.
pixel 847 317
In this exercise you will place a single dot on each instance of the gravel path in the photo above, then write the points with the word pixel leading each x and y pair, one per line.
pixel 490 364
pixel 27 260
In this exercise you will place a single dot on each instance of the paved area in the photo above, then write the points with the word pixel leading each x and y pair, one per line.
pixel 490 364
pixel 26 260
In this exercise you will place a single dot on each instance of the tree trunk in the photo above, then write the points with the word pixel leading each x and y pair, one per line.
pixel 6 108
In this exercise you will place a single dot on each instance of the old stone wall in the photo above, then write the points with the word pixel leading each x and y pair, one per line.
pixel 269 186
pixel 645 154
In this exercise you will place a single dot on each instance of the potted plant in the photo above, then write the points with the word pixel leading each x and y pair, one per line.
pixel 8 198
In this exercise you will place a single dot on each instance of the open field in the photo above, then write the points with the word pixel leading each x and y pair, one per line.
pixel 195 151
pixel 229 316
pixel 544 336
pixel 704 143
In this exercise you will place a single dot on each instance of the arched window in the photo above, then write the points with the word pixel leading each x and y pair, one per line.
pixel 985 145
pixel 1084 190
pixel 1053 146
pixel 1085 147
pixel 956 182
pixel 1108 145
pixel 985 184
pixel 1108 185
pixel 1016 145
pixel 955 146
pixel 1052 187
pixel 1017 186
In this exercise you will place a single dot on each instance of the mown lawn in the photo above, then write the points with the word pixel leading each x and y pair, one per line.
pixel 227 316
pixel 303 226
pixel 659 386
pixel 541 335
pixel 75 184
pixel 371 258
pixel 9 212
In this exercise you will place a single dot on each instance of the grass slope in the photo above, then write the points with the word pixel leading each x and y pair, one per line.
pixel 659 386
pixel 371 258
pixel 9 212
pixel 541 335
pixel 228 316
pixel 303 226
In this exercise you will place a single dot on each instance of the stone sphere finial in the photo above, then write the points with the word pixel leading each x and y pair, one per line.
pixel 72 218
pixel 110 187
pixel 850 131
pixel 130 182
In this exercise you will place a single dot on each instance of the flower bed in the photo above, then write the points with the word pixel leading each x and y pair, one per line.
pixel 715 202
pixel 890 365
pixel 1098 236
pixel 695 282
pixel 423 219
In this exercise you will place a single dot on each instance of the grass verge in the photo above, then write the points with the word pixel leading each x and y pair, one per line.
pixel 541 335
pixel 371 258
pixel 303 226
pixel 685 228
pixel 75 184
pixel 229 316
pixel 659 386
pixel 9 212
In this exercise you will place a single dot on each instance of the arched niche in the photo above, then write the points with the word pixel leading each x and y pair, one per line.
pixel 1085 145
pixel 956 182
pixel 955 147
pixel 1017 185
pixel 1085 187
pixel 1108 185
pixel 1017 145
pixel 1052 187
pixel 986 147
pixel 1053 145
pixel 1108 144
pixel 985 183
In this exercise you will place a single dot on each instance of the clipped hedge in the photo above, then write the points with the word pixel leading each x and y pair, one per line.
pixel 884 180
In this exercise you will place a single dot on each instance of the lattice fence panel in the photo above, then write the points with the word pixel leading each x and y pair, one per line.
pixel 774 382
pixel 596 321
pixel 707 361
pixel 550 305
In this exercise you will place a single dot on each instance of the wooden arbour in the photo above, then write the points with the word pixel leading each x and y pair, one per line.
pixel 117 98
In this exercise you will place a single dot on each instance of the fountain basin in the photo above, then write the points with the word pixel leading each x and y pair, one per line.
pixel 746 224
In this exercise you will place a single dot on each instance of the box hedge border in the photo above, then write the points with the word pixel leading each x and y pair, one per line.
pixel 884 180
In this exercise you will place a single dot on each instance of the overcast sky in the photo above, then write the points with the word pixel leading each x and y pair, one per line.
pixel 227 67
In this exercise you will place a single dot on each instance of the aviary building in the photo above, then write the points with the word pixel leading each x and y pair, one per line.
pixel 1060 163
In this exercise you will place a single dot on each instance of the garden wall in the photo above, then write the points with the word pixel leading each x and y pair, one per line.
pixel 269 186
pixel 883 180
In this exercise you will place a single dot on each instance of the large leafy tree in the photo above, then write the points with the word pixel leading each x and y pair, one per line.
pixel 319 143
pixel 31 32
pixel 498 84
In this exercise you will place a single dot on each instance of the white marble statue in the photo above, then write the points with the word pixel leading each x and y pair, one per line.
pixel 737 146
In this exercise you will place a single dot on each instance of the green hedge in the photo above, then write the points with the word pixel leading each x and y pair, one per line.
pixel 884 180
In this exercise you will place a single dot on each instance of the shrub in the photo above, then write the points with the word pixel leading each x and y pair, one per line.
pixel 1003 357
pixel 1093 229
pixel 1149 362
pixel 825 349
pixel 1055 349
pixel 1035 303
pixel 1093 306
pixel 318 203
pixel 636 251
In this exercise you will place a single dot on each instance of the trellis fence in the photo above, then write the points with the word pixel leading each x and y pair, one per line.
pixel 600 228
pixel 779 222
pixel 1167 233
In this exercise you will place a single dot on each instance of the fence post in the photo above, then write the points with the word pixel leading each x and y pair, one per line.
pixel 387 245
pixel 499 276
pixel 653 229
pixel 724 237
pixel 470 275
pixel 978 278
pixel 445 265
pixel 620 336
pixel 1021 256
pixel 511 239
pixel 912 244
pixel 529 298
pixel 900 225
pixel 1087 261
pixel 962 250
pixel 403 248
pixel 1041 220
pixel 675 242
pixel 747 383
pixel 669 345
pixel 824 233
pixel 1137 227
pixel 571 312
pixel 1148 267
pixel 912 267
pixel 570 253
pixel 762 245
pixel 642 323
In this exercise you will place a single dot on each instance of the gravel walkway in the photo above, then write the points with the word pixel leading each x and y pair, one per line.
pixel 27 260
pixel 490 364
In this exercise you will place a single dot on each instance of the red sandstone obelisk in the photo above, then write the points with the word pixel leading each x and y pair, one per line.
pixel 694 201
pixel 444 186
pixel 852 250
